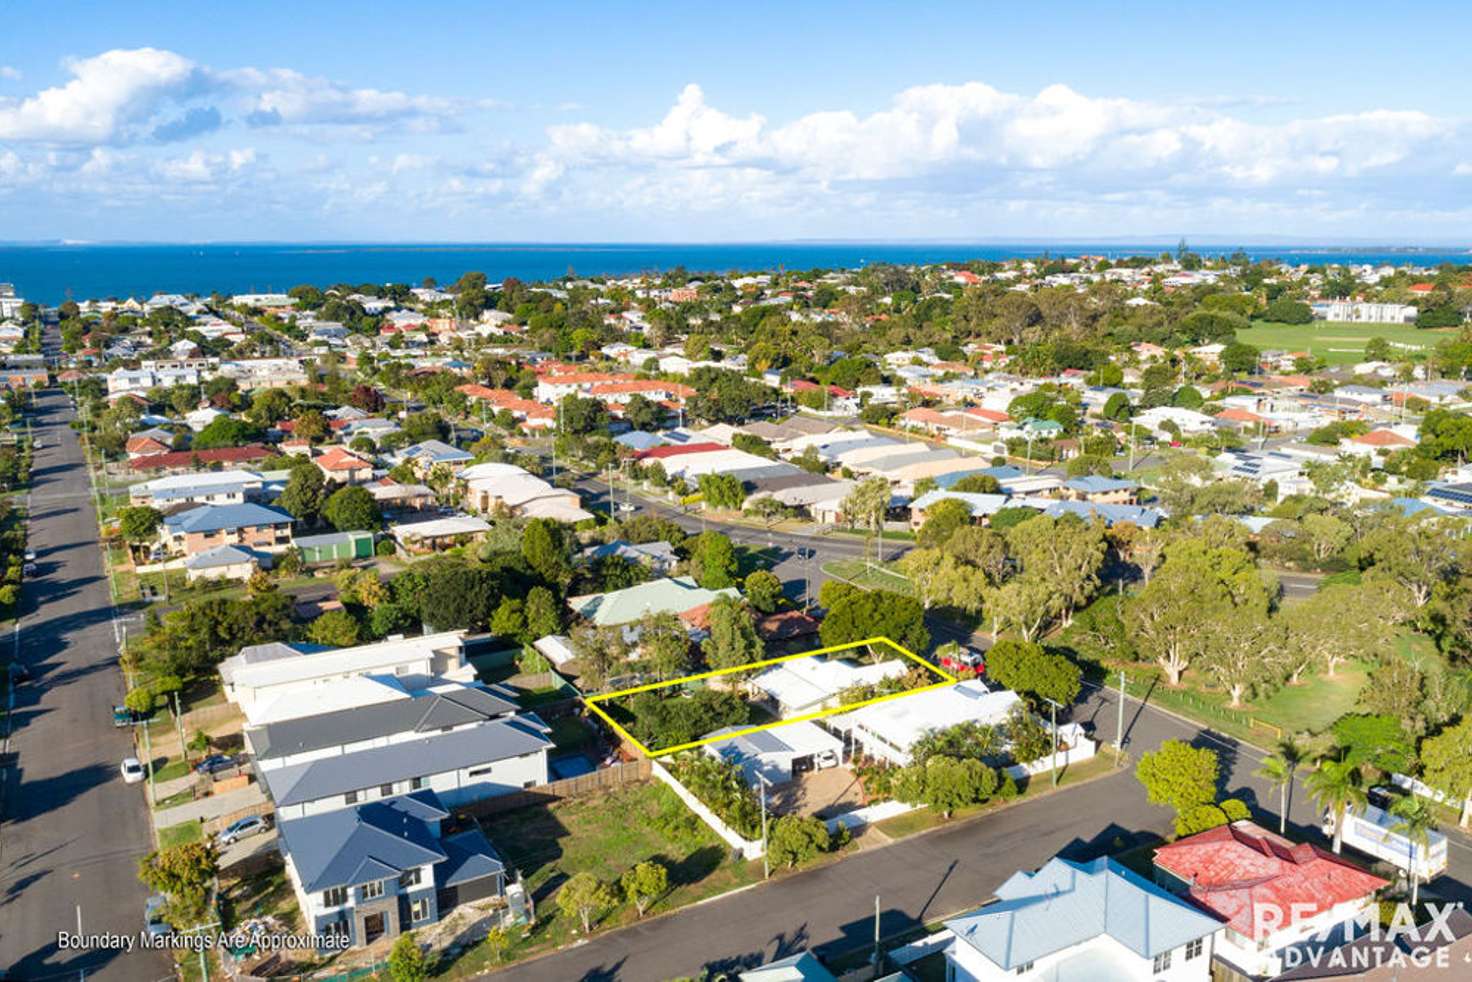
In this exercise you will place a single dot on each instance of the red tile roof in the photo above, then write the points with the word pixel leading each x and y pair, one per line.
pixel 186 458
pixel 1383 438
pixel 338 459
pixel 676 450
pixel 1234 870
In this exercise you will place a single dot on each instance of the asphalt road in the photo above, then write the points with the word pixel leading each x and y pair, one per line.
pixel 940 873
pixel 72 831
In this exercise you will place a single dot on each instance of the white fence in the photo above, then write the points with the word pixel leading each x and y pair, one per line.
pixel 749 848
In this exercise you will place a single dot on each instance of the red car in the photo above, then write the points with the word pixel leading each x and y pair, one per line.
pixel 964 661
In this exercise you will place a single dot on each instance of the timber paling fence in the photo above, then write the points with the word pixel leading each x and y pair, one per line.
pixel 617 776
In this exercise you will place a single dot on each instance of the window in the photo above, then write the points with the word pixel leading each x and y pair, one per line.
pixel 1193 949
pixel 419 910
pixel 374 890
pixel 335 897
pixel 386 790
pixel 1162 961
pixel 409 878
pixel 1024 969
pixel 477 772
pixel 336 929
pixel 351 798
pixel 416 783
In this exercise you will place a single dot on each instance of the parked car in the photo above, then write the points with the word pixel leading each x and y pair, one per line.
pixel 132 770
pixel 964 660
pixel 18 673
pixel 213 763
pixel 30 569
pixel 243 829
pixel 123 716
pixel 625 508
pixel 153 916
pixel 30 555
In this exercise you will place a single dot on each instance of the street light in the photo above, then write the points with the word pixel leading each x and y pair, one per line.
pixel 766 863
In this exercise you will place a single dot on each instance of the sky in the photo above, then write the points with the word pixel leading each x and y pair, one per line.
pixel 669 122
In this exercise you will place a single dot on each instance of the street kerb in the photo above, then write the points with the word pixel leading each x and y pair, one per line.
pixel 592 702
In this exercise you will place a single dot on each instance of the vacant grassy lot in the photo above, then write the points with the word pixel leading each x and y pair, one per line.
pixel 1338 343
pixel 868 576
pixel 605 835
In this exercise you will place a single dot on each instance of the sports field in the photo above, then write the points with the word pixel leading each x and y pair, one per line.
pixel 1340 343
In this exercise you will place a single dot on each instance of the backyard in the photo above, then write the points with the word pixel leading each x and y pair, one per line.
pixel 605 835
pixel 1340 343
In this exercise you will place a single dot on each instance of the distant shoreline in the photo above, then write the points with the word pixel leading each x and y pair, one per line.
pixel 53 272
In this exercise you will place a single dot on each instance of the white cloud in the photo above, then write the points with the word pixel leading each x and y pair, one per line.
pixel 1463 169
pixel 10 72
pixel 105 95
pixel 201 167
pixel 282 96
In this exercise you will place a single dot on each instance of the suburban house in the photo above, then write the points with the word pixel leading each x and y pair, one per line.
pixel 193 460
pixel 805 685
pixel 438 534
pixel 226 563
pixel 206 527
pixel 393 496
pixel 888 730
pixel 778 754
pixel 382 868
pixel 343 466
pixel 344 731
pixel 676 595
pixel 1096 921
pixel 425 457
pixel 280 680
pixel 658 556
pixel 460 765
pixel 801 967
pixel 198 488
pixel 1273 894
pixel 1101 490
pixel 492 487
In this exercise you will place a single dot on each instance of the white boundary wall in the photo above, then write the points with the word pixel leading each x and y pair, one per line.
pixel 749 848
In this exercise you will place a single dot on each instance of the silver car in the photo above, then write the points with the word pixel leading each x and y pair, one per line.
pixel 242 829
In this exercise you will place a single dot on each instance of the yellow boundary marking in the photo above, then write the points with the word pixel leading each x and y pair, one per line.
pixel 592 701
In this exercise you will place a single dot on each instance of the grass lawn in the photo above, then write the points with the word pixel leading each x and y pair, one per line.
pixel 1338 343
pixel 180 835
pixel 1317 703
pixel 569 733
pixel 868 576
pixel 605 835
pixel 922 819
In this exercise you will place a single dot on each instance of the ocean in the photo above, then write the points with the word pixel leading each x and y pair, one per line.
pixel 52 273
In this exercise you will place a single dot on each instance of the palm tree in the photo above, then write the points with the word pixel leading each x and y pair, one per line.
pixel 1417 822
pixel 1335 786
pixel 1279 773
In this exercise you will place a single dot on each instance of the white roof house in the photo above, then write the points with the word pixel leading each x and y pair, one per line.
pixel 890 729
pixel 261 674
pixel 776 754
pixel 808 684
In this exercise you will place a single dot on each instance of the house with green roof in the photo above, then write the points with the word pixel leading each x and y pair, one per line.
pixel 671 595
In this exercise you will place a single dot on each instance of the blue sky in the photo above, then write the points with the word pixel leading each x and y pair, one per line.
pixel 691 122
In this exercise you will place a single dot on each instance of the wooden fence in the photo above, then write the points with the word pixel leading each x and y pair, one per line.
pixel 544 794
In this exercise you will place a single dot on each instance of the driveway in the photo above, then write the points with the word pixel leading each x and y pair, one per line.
pixel 72 832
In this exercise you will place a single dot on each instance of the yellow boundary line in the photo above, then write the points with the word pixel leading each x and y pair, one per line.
pixel 592 701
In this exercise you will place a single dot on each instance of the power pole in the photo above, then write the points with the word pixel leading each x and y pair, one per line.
pixel 1119 731
pixel 766 863
pixel 1053 710
pixel 877 955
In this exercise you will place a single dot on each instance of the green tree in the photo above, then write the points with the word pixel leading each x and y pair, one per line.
pixel 225 431
pixel 1179 775
pixel 336 627
pixel 644 883
pixel 139 525
pixel 305 492
pixel 713 561
pixel 543 615
pixel 733 639
pixel 546 549
pixel 665 644
pixel 1377 742
pixel 1027 669
pixel 857 615
pixel 942 519
pixel 763 591
pixel 1336 786
pixel 352 509
pixel 722 491
pixel 796 839
pixel 1446 762
pixel 1278 769
pixel 866 505
pixel 498 939
pixel 585 897
pixel 509 620
pixel 406 961
pixel 1416 820
pixel 185 874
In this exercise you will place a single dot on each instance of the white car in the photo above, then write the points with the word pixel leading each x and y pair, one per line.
pixel 132 770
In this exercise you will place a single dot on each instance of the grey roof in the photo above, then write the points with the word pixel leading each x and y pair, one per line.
pixel 1140 515
pixel 654 552
pixel 435 450
pixel 802 479
pixel 904 458
pixel 255 654
pixel 424 714
pixel 469 855
pixel 328 539
pixel 1067 903
pixel 220 556
pixel 374 841
pixel 761 472
pixel 437 754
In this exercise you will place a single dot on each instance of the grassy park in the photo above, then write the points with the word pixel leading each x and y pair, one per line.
pixel 1340 343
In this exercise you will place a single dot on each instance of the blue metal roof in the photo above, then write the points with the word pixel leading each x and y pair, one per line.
pixel 215 518
pixel 1067 903
pixel 373 841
